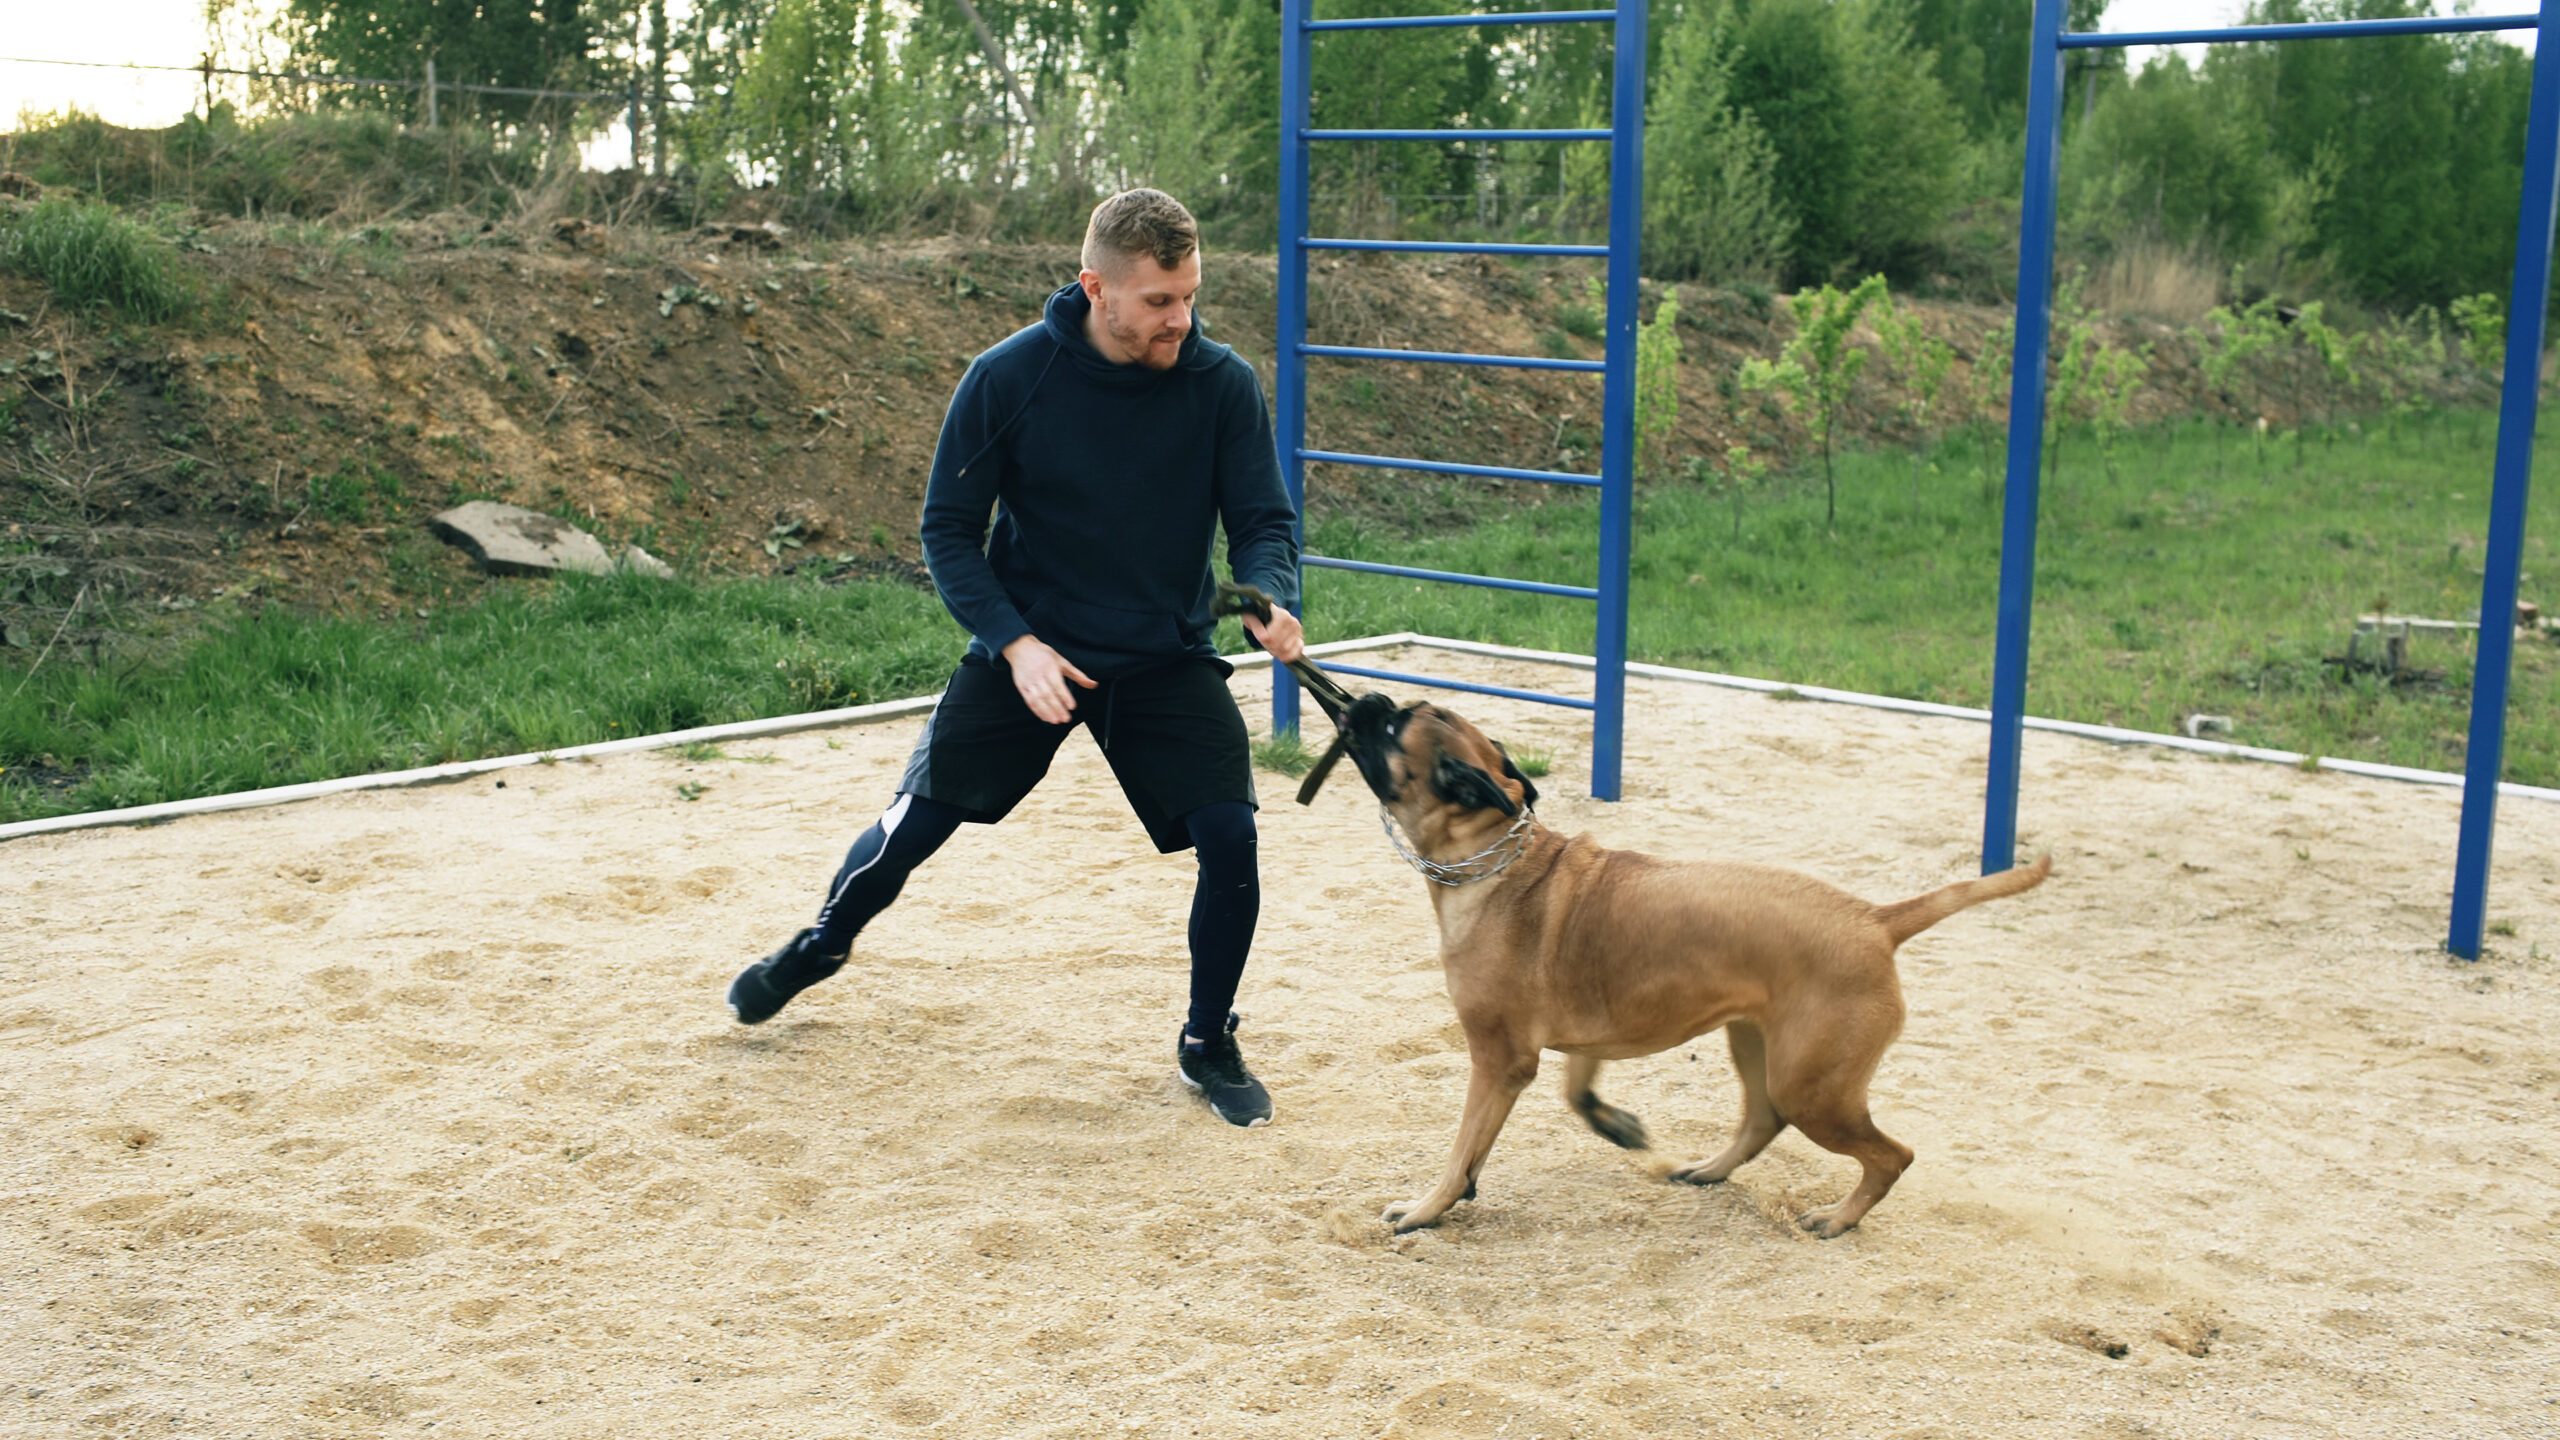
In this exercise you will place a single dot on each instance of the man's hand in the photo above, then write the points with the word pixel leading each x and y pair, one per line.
pixel 1041 674
pixel 1283 637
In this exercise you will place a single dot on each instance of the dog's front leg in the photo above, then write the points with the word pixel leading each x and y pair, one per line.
pixel 1499 1071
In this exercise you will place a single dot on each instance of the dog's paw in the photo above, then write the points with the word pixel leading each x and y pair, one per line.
pixel 1410 1216
pixel 1699 1172
pixel 1825 1225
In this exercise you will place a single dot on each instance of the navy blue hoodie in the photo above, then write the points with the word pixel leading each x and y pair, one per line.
pixel 1108 482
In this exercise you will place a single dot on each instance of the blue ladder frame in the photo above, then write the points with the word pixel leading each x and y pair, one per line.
pixel 1616 480
pixel 2527 300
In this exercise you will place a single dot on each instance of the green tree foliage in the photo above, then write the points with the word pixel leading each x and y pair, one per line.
pixel 1819 364
pixel 1866 141
pixel 519 44
pixel 1657 384
pixel 1712 210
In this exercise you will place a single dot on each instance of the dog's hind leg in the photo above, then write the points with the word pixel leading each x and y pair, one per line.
pixel 1882 1160
pixel 1619 1127
pixel 1760 1119
pixel 1500 1071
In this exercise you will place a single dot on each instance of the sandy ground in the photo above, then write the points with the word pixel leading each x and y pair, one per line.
pixel 417 1112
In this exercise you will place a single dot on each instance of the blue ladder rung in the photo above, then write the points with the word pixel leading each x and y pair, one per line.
pixel 1455 247
pixel 2320 30
pixel 1453 577
pixel 1447 467
pixel 1416 22
pixel 1456 134
pixel 1536 696
pixel 1452 357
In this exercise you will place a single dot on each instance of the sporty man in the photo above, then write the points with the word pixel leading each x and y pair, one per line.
pixel 1112 439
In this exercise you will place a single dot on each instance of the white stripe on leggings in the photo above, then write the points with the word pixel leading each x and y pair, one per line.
pixel 889 819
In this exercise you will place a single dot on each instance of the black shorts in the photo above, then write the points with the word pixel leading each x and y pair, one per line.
pixel 1173 736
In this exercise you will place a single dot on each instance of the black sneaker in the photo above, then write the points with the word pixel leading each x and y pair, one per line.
pixel 1215 1068
pixel 762 989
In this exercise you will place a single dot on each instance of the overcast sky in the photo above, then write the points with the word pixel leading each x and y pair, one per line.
pixel 171 32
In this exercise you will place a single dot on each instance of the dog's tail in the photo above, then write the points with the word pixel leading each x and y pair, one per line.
pixel 1906 918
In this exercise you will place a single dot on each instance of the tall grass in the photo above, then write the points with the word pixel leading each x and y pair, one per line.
pixel 275 698
pixel 91 256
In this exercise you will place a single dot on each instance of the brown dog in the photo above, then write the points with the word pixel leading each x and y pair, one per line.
pixel 1558 944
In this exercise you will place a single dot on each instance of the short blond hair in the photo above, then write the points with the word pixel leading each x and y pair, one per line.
pixel 1139 222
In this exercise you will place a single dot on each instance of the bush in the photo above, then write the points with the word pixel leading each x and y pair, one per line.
pixel 91 256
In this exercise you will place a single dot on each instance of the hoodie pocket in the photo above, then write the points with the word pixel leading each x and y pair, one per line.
pixel 1074 623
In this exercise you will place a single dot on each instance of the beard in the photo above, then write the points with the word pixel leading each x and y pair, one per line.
pixel 1145 343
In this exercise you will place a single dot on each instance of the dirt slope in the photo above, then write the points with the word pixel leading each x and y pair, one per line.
pixel 699 393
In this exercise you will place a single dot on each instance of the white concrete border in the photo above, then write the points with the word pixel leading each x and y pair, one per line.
pixel 895 709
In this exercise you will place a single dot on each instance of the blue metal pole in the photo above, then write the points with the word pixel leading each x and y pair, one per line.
pixel 2026 436
pixel 2526 302
pixel 1289 364
pixel 1618 399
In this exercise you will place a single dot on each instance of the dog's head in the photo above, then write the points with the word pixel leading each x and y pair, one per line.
pixel 1430 767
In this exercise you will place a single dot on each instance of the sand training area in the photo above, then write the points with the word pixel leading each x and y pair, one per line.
pixel 417 1112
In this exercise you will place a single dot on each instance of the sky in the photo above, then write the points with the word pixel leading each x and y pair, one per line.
pixel 171 32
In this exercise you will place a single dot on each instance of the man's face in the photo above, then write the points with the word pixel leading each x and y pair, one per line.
pixel 1142 309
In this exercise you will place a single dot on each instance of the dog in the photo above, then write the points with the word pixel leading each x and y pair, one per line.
pixel 1551 943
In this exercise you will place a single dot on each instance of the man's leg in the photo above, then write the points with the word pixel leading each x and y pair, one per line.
pixel 1224 906
pixel 874 870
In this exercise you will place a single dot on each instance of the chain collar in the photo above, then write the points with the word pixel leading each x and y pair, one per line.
pixel 1482 865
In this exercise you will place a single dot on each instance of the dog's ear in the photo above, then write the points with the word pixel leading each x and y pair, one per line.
pixel 1460 783
pixel 1528 792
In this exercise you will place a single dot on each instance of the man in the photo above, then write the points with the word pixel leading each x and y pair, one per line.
pixel 1112 438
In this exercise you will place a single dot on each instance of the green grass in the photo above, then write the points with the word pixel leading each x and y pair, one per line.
pixel 2183 584
pixel 275 698
pixel 93 257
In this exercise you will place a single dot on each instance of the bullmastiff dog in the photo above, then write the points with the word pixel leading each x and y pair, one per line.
pixel 1556 943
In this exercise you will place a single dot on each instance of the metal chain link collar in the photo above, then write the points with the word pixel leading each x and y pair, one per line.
pixel 1477 867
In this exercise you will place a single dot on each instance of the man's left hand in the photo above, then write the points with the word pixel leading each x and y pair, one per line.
pixel 1284 638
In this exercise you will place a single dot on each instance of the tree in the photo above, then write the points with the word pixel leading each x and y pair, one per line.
pixel 1657 382
pixel 1815 370
pixel 1711 202
pixel 518 44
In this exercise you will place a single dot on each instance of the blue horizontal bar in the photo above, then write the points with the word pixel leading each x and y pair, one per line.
pixel 1537 696
pixel 1453 577
pixel 1456 134
pixel 1454 247
pixel 1452 357
pixel 2322 30
pixel 1415 22
pixel 1446 467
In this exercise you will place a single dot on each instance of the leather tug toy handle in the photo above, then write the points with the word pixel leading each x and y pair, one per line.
pixel 1236 599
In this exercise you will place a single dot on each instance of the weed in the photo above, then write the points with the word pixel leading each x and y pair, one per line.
pixel 1284 753
pixel 700 752
pixel 690 790
pixel 1535 761
pixel 94 258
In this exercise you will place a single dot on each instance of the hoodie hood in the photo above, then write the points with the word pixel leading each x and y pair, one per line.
pixel 1064 319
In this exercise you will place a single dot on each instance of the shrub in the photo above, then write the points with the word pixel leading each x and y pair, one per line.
pixel 91 256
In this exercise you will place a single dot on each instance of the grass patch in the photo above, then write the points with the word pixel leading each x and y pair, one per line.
pixel 92 257
pixel 276 698
pixel 2205 574
pixel 1284 753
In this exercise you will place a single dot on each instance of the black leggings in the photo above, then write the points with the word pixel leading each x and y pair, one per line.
pixel 1225 904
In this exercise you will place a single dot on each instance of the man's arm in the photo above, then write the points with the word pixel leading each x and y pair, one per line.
pixel 1261 525
pixel 958 497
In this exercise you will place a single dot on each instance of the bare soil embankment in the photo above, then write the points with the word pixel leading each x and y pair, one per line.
pixel 706 393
